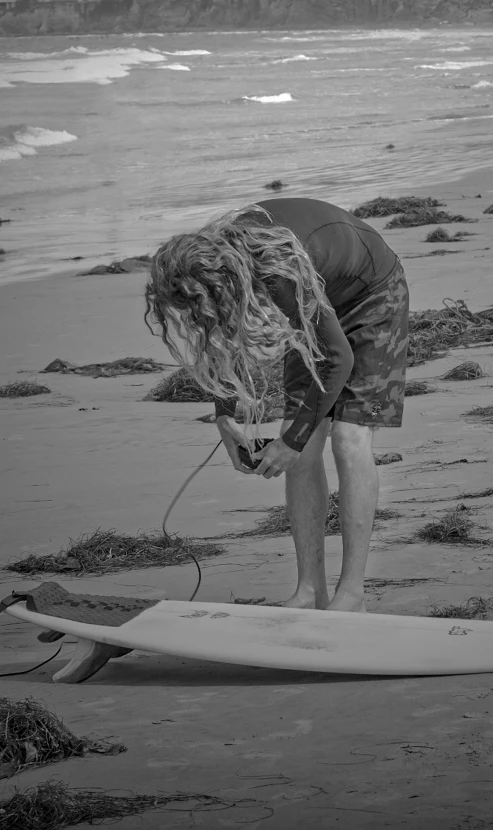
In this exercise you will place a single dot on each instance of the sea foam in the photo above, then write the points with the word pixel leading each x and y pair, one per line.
pixel 179 67
pixel 82 66
pixel 269 99
pixel 24 140
pixel 453 65
pixel 295 58
pixel 184 52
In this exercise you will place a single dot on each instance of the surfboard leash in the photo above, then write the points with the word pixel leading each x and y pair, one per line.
pixel 5 603
pixel 27 671
pixel 177 498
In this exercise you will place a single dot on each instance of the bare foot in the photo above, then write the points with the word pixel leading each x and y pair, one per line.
pixel 346 602
pixel 307 599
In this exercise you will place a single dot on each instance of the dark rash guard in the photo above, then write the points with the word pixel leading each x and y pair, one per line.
pixel 349 255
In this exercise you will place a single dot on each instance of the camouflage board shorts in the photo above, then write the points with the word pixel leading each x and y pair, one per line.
pixel 376 326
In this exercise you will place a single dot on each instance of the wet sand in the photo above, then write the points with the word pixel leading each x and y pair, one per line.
pixel 291 750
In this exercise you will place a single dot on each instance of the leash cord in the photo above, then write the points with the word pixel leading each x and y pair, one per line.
pixel 176 499
pixel 27 671
pixel 166 517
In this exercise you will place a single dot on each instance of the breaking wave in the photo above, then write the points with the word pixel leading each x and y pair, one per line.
pixel 17 142
pixel 295 58
pixel 179 67
pixel 453 65
pixel 269 99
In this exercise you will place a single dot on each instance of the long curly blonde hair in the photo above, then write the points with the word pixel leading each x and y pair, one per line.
pixel 210 293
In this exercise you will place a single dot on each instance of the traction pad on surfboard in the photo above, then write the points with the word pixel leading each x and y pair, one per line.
pixel 51 599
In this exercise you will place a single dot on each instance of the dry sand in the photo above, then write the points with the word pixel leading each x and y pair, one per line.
pixel 293 750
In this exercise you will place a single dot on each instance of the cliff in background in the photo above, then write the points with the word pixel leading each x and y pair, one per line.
pixel 39 17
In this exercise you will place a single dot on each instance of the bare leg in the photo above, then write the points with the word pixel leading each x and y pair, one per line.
pixel 358 496
pixel 307 503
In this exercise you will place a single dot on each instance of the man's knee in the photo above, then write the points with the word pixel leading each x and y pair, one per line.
pixel 351 441
pixel 313 450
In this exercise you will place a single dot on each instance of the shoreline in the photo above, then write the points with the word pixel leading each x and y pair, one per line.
pixel 480 179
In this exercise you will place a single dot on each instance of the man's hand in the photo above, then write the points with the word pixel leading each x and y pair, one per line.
pixel 232 437
pixel 277 457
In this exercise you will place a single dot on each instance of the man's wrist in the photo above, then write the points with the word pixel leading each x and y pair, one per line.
pixel 293 445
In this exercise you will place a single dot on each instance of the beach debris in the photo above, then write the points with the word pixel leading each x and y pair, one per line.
pixel 23 389
pixel 277 184
pixel 481 494
pixel 437 252
pixel 33 736
pixel 53 805
pixel 387 458
pixel 475 608
pixel 464 371
pixel 433 332
pixel 3 221
pixel 418 387
pixel 486 210
pixel 376 584
pixel 181 387
pixel 123 366
pixel 2 251
pixel 106 551
pixel 383 206
pixel 425 216
pixel 124 266
pixel 453 528
pixel 249 601
pixel 483 413
pixel 276 523
pixel 390 146
pixel 442 235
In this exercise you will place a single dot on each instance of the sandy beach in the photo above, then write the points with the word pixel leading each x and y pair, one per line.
pixel 291 750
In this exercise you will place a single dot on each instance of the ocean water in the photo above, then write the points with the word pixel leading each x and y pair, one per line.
pixel 110 143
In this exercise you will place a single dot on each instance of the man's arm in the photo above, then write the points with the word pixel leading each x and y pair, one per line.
pixel 333 371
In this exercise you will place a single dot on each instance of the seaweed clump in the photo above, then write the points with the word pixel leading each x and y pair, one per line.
pixel 434 331
pixel 123 366
pixel 52 805
pixel 106 551
pixel 453 528
pixel 417 387
pixel 442 235
pixel 124 266
pixel 475 608
pixel 383 206
pixel 181 387
pixel 464 371
pixel 276 523
pixel 483 413
pixel 425 216
pixel 23 389
pixel 32 736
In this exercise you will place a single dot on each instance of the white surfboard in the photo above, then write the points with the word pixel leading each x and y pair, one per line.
pixel 281 638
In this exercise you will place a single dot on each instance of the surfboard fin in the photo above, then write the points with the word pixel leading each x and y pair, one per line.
pixel 88 658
